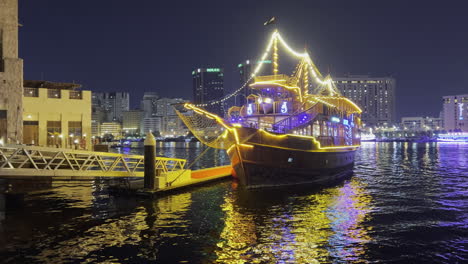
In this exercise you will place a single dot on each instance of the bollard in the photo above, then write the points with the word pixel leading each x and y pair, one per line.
pixel 150 161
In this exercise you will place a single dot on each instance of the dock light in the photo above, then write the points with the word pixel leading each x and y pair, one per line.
pixel 268 100
pixel 60 136
pixel 335 119
pixel 84 135
pixel 259 100
pixel 76 141
pixel 71 135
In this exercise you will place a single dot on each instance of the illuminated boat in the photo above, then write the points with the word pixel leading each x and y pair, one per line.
pixel 453 137
pixel 289 131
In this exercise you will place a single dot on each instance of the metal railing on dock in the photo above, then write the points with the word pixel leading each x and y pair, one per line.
pixel 19 160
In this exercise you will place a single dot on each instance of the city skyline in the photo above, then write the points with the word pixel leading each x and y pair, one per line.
pixel 419 44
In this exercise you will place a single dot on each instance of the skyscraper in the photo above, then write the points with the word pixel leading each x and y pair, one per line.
pixel 455 113
pixel 245 72
pixel 375 96
pixel 208 86
pixel 149 104
pixel 110 105
pixel 11 75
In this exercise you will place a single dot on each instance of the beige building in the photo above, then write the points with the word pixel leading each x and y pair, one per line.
pixel 131 122
pixel 56 115
pixel 111 128
pixel 11 74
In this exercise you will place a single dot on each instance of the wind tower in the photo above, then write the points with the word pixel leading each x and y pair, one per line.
pixel 11 75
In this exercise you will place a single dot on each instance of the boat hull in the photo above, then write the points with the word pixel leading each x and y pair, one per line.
pixel 258 166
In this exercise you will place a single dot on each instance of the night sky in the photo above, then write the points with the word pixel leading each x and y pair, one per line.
pixel 140 46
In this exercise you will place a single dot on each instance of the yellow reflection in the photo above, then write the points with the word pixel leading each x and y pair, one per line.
pixel 314 228
pixel 238 235
pixel 144 228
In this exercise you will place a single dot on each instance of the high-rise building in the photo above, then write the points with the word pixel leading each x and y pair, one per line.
pixel 375 96
pixel 111 128
pixel 418 123
pixel 208 86
pixel 131 122
pixel 171 125
pixel 151 124
pixel 110 106
pixel 246 70
pixel 148 104
pixel 11 75
pixel 455 112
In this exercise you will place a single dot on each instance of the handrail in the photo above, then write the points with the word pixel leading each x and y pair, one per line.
pixel 296 120
pixel 46 159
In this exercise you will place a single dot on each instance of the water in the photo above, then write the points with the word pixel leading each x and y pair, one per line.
pixel 405 203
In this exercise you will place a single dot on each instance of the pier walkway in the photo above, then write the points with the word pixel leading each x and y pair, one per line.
pixel 19 161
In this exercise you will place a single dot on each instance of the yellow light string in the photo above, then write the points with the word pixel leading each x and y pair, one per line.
pixel 257 69
pixel 275 56
pixel 274 38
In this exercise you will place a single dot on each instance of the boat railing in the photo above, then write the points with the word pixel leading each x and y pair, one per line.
pixel 271 78
pixel 276 108
pixel 298 119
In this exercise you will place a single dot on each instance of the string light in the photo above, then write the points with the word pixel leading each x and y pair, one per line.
pixel 328 82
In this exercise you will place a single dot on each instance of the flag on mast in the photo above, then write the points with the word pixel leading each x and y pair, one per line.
pixel 272 20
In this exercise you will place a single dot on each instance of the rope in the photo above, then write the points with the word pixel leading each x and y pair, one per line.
pixel 188 167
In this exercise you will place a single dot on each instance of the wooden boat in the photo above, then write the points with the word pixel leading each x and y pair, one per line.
pixel 284 134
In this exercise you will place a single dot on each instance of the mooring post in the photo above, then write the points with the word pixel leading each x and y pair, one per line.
pixel 150 161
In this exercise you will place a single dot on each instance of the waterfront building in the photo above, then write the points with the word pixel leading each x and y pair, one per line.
pixel 171 125
pixel 375 96
pixel 56 115
pixel 149 104
pixel 151 124
pixel 111 128
pixel 131 122
pixel 455 112
pixel 109 106
pixel 11 75
pixel 208 86
pixel 419 123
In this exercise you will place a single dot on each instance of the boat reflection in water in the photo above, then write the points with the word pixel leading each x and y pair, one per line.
pixel 314 228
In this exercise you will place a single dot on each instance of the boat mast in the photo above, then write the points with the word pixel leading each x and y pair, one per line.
pixel 275 55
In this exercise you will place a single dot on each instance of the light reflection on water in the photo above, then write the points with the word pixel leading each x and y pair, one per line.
pixel 405 203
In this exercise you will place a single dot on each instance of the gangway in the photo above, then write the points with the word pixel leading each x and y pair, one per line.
pixel 20 161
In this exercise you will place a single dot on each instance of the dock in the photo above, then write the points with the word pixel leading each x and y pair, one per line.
pixel 29 162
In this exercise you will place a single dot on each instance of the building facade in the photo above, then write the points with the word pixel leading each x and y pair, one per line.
pixel 11 75
pixel 171 125
pixel 208 86
pixel 375 96
pixel 131 123
pixel 455 112
pixel 111 128
pixel 151 124
pixel 109 107
pixel 56 115
pixel 149 104
pixel 420 123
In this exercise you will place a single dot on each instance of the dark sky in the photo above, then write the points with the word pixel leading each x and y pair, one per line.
pixel 137 46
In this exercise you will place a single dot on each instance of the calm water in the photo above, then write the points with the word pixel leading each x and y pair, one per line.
pixel 405 203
